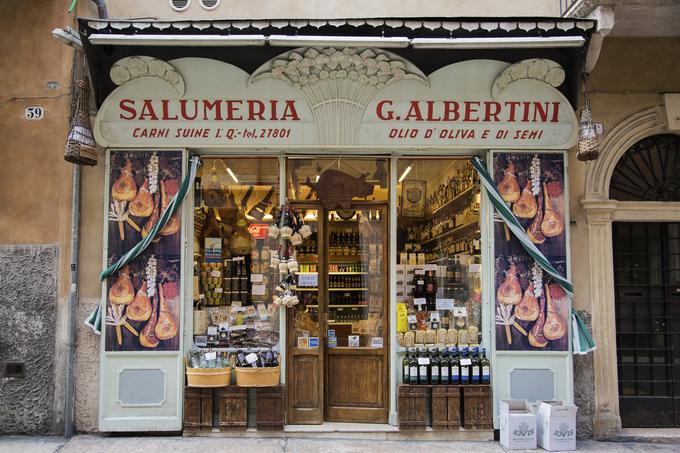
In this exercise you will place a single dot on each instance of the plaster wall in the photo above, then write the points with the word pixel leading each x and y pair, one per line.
pixel 310 9
pixel 35 187
pixel 629 77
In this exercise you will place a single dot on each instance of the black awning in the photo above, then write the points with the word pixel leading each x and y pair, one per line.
pixel 101 57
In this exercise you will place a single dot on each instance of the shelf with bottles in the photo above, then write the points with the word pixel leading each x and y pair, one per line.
pixel 347 289
pixel 452 232
pixel 446 366
pixel 456 188
pixel 306 288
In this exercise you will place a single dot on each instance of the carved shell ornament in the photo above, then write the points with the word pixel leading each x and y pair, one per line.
pixel 339 84
pixel 130 68
pixel 541 69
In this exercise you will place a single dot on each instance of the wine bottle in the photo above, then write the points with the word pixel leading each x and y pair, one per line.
pixel 444 367
pixel 413 368
pixel 406 367
pixel 434 367
pixel 485 368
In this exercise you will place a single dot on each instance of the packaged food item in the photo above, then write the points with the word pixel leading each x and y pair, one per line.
pixel 430 336
pixel 409 339
pixel 400 339
pixel 402 321
pixel 441 336
pixel 473 334
pixel 452 337
pixel 420 337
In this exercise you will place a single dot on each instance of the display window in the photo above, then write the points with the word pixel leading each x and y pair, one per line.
pixel 235 201
pixel 439 300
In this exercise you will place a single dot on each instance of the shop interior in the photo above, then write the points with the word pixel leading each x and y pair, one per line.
pixel 338 276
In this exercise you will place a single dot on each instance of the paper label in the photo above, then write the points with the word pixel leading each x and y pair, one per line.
pixel 376 342
pixel 259 290
pixel 215 273
pixel 353 341
pixel 419 271
pixel 308 280
pixel 212 330
pixel 465 362
pixel 475 268
pixel 303 342
pixel 219 290
pixel 224 325
pixel 213 250
pixel 313 342
pixel 430 267
pixel 262 311
pixel 419 301
pixel 421 282
pixel 210 355
pixel 460 312
pixel 423 360
pixel 332 342
pixel 251 358
pixel 256 278
pixel 331 332
pixel 444 304
pixel 201 341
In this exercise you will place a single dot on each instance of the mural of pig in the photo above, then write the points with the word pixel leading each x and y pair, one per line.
pixel 336 189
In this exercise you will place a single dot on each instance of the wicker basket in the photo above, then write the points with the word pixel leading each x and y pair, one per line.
pixel 208 377
pixel 258 377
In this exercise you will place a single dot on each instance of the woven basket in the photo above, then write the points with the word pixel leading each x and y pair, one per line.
pixel 208 377
pixel 80 145
pixel 258 377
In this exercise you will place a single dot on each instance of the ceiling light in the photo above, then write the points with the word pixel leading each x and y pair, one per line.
pixel 233 176
pixel 406 172
pixel 497 43
pixel 347 41
pixel 177 40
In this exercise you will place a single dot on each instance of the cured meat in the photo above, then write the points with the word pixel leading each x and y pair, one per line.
pixel 528 309
pixel 555 324
pixel 125 187
pixel 552 224
pixel 140 308
pixel 122 291
pixel 166 327
pixel 534 230
pixel 536 337
pixel 147 337
pixel 526 207
pixel 509 187
pixel 142 205
pixel 510 292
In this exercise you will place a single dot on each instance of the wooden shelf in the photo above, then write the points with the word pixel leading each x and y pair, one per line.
pixel 333 273
pixel 347 289
pixel 341 306
pixel 306 289
pixel 458 229
pixel 453 201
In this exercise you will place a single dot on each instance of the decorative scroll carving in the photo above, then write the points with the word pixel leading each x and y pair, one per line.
pixel 540 69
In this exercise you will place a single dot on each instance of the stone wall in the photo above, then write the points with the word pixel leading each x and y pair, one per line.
pixel 584 389
pixel 28 299
pixel 87 370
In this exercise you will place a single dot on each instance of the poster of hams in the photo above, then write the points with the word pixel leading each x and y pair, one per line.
pixel 532 312
pixel 143 297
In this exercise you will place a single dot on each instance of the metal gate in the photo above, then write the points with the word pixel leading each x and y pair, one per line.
pixel 647 288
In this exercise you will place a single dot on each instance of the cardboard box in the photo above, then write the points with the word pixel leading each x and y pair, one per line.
pixel 556 425
pixel 518 425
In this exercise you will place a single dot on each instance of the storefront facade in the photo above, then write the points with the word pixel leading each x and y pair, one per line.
pixel 378 138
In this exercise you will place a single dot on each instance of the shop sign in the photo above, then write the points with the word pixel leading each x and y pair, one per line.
pixel 332 97
pixel 258 230
pixel 532 311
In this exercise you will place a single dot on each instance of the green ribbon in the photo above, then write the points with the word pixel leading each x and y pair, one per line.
pixel 582 340
pixel 517 228
pixel 165 217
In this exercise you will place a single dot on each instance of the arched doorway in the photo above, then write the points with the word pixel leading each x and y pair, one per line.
pixel 602 210
pixel 646 259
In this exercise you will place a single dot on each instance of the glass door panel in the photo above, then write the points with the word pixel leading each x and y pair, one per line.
pixel 356 327
pixel 305 334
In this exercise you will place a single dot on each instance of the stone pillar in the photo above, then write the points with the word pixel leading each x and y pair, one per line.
pixel 607 421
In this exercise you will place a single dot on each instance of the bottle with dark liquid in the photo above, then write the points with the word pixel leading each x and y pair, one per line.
pixel 406 367
pixel 474 366
pixel 465 367
pixel 423 367
pixel 455 367
pixel 434 367
pixel 413 368
pixel 444 367
pixel 485 368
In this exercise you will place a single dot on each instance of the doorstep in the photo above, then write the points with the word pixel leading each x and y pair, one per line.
pixel 352 431
pixel 655 435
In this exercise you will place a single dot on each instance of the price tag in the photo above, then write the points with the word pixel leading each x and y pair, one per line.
pixel 460 312
pixel 475 268
pixel 444 304
pixel 377 342
pixel 331 332
pixel 251 358
pixel 259 290
pixel 219 290
pixel 421 282
pixel 256 278
pixel 308 280
pixel 465 362
pixel 201 341
pixel 262 311
pixel 212 330
pixel 430 267
pixel 420 271
pixel 419 301
pixel 210 355
pixel 215 273
pixel 423 360
pixel 353 341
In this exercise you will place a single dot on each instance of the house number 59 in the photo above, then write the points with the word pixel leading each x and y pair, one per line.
pixel 34 112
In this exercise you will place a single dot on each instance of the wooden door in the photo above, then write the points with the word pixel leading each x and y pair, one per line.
pixel 356 330
pixel 305 364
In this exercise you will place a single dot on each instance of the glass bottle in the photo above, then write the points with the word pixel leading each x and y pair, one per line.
pixel 434 367
pixel 444 367
pixel 423 367
pixel 465 367
pixel 485 368
pixel 406 367
pixel 413 367
pixel 474 366
pixel 455 366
